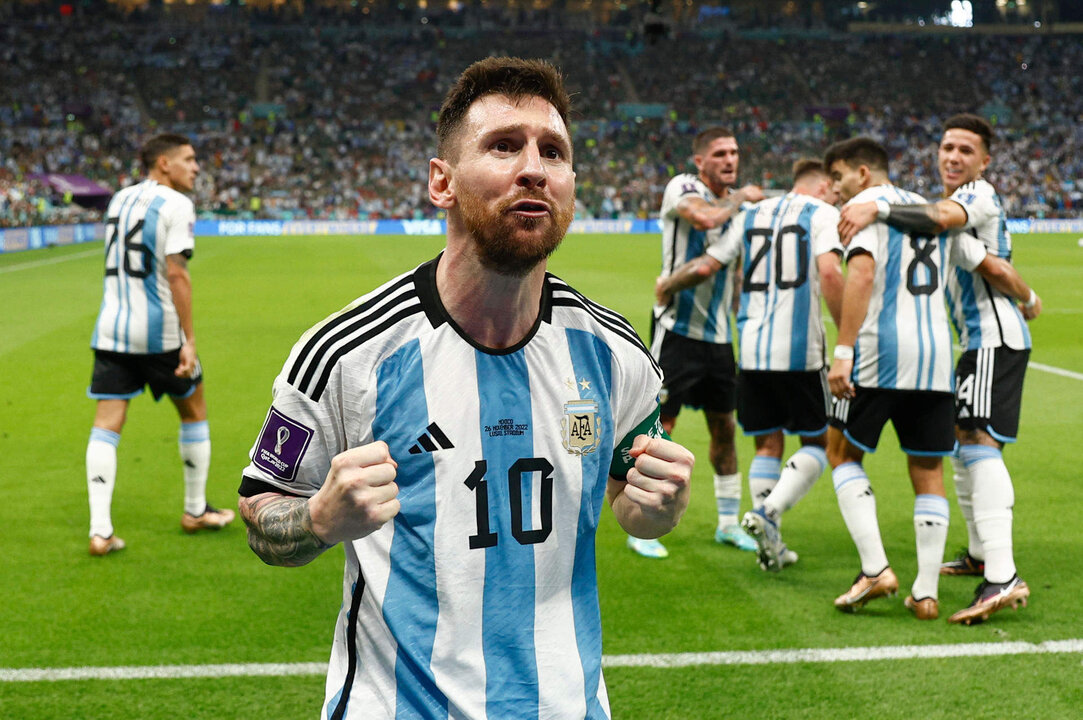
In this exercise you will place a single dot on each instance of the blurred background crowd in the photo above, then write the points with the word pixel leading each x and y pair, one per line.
pixel 330 115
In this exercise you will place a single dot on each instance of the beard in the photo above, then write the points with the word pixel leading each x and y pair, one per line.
pixel 511 244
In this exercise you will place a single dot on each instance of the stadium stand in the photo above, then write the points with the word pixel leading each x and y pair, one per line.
pixel 319 116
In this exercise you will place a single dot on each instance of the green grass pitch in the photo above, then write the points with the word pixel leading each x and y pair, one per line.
pixel 172 599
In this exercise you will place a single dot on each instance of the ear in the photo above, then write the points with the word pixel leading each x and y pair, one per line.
pixel 440 193
pixel 986 161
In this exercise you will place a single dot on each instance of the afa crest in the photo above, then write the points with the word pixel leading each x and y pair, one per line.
pixel 580 426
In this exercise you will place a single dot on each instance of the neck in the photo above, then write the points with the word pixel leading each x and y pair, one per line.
pixel 160 179
pixel 496 311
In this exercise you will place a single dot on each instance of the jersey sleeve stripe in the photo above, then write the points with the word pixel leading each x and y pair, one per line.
pixel 331 357
pixel 333 329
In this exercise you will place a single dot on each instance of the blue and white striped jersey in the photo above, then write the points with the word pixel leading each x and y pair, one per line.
pixel 700 312
pixel 780 321
pixel 480 599
pixel 144 223
pixel 984 316
pixel 905 340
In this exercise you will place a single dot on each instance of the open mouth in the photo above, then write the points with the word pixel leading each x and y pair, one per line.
pixel 531 208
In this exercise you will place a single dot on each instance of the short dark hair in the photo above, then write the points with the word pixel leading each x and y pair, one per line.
pixel 857 151
pixel 160 145
pixel 707 137
pixel 514 78
pixel 975 124
pixel 807 166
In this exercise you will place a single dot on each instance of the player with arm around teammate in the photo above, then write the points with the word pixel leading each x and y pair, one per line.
pixel 791 258
pixel 144 334
pixel 691 335
pixel 989 374
pixel 459 429
pixel 893 362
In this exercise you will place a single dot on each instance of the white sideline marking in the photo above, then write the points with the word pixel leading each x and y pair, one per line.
pixel 674 660
pixel 1056 371
pixel 167 672
pixel 49 261
pixel 824 655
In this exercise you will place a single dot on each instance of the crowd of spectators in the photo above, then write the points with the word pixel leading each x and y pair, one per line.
pixel 313 117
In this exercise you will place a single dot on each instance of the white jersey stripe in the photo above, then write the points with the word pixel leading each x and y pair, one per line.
pixel 145 223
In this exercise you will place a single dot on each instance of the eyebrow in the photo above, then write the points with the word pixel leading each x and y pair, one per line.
pixel 561 140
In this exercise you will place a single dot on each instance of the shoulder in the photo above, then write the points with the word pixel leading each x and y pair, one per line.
pixel 685 184
pixel 175 199
pixel 976 191
pixel 369 328
pixel 571 308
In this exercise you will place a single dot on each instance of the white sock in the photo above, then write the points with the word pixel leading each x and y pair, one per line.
pixel 964 489
pixel 762 477
pixel 993 498
pixel 801 472
pixel 195 451
pixel 727 496
pixel 931 532
pixel 858 505
pixel 101 477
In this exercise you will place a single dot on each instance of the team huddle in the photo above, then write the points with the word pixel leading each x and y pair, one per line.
pixel 460 428
pixel 909 265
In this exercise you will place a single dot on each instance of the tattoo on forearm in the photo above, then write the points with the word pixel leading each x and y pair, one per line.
pixel 280 530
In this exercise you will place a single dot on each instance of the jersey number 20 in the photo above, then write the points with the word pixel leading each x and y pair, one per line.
pixel 788 235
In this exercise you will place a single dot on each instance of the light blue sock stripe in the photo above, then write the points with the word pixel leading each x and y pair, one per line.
pixel 195 432
pixel 728 506
pixel 932 506
pixel 972 454
pixel 105 436
pixel 846 473
pixel 817 453
pixel 765 467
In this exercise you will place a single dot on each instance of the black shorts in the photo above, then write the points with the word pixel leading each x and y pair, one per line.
pixel 121 376
pixel 989 391
pixel 794 402
pixel 696 373
pixel 924 421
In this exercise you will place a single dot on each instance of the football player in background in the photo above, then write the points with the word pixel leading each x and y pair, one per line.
pixel 144 335
pixel 989 374
pixel 791 258
pixel 691 335
pixel 893 362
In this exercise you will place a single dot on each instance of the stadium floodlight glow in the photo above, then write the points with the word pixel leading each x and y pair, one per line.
pixel 961 14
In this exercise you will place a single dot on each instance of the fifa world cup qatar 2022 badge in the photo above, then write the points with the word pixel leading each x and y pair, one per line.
pixel 282 444
pixel 580 426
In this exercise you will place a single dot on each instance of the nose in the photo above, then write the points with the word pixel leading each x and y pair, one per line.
pixel 531 170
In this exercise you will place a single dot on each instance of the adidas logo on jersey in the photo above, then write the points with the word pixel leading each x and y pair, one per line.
pixel 431 441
